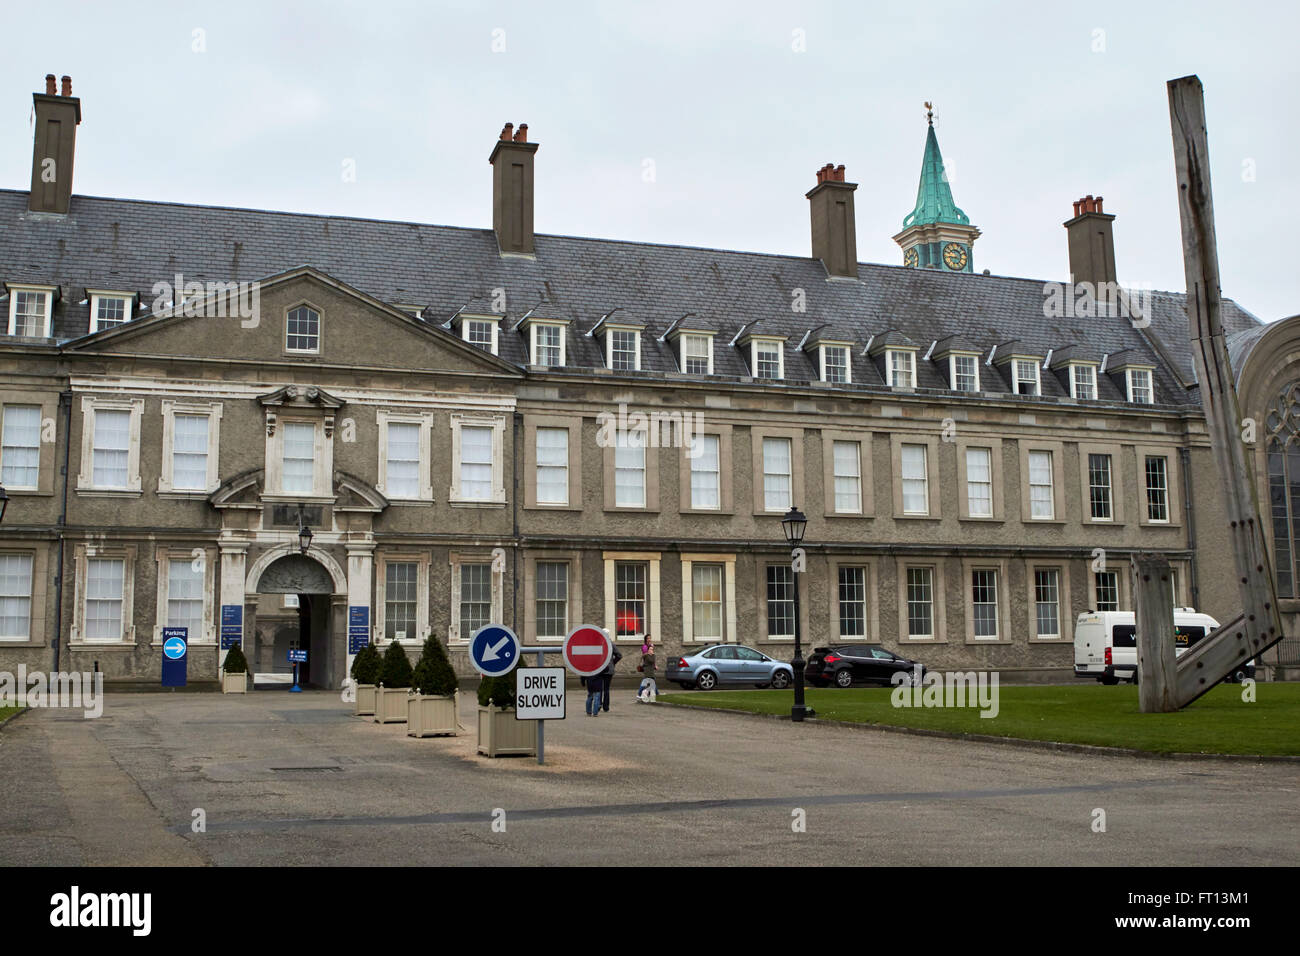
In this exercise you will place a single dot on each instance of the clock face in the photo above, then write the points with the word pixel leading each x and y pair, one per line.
pixel 954 256
pixel 910 258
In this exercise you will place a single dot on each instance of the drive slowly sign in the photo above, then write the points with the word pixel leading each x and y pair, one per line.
pixel 539 693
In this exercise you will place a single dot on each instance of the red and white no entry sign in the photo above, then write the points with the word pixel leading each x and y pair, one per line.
pixel 587 650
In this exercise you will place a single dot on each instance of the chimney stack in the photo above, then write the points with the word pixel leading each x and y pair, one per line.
pixel 57 118
pixel 1091 242
pixel 512 190
pixel 834 233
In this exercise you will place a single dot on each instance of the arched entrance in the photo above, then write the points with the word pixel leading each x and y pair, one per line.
pixel 295 594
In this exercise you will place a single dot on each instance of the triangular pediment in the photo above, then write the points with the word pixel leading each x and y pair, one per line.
pixel 249 323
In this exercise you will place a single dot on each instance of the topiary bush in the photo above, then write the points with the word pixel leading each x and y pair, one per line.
pixel 236 663
pixel 365 666
pixel 433 676
pixel 497 691
pixel 396 669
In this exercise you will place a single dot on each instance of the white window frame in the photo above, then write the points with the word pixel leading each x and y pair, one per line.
pixel 836 476
pixel 4 419
pixel 537 599
pixel 1033 574
pixel 651 621
pixel 905 602
pixel 210 410
pixel 997 602
pixel 497 424
pixel 1133 388
pixel 632 440
pixel 421 560
pixel 778 344
pixel 1091 370
pixel 206 558
pixel 1051 483
pixel 789 475
pixel 907 367
pixel 847 352
pixel 467 320
pixel 609 334
pixel 456 559
pixel 322 453
pixel 1016 364
pixel 1147 488
pixel 688 337
pixel 537 484
pixel 47 292
pixel 96 295
pixel 384 418
pixel 952 370
pixel 923 478
pixel 795 609
pixel 86 477
pixel 716 473
pixel 970 507
pixel 32 570
pixel 728 564
pixel 866 635
pixel 533 345
pixel 81 557
pixel 320 329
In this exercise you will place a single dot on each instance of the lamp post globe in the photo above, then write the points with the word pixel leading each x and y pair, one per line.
pixel 304 539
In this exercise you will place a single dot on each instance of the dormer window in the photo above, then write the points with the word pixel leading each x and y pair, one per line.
pixel 109 309
pixel 547 344
pixel 1139 386
pixel 302 330
pixel 623 350
pixel 836 364
pixel 964 373
pixel 1024 377
pixel 480 332
pixel 902 368
pixel 1083 382
pixel 767 358
pixel 29 311
pixel 697 354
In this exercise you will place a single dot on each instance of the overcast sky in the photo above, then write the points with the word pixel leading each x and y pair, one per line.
pixel 695 123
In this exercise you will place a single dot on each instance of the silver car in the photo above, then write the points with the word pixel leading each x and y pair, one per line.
pixel 728 664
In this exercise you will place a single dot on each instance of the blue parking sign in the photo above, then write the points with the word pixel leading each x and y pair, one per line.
pixel 175 647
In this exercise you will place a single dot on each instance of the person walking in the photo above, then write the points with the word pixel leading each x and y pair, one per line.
pixel 648 690
pixel 606 677
pixel 594 685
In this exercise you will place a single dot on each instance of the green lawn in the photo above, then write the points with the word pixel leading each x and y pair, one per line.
pixel 1219 722
pixel 6 713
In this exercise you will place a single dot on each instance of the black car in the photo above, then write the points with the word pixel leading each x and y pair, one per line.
pixel 847 664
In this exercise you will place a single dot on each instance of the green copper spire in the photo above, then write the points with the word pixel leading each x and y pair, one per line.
pixel 934 202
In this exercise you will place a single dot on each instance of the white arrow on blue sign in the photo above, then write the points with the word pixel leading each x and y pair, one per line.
pixel 494 650
pixel 174 648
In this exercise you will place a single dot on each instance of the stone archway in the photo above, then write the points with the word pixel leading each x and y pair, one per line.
pixel 299 597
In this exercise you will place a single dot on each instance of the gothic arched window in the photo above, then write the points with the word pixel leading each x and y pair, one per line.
pixel 1283 449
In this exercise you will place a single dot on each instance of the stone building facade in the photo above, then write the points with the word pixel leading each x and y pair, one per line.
pixel 496 425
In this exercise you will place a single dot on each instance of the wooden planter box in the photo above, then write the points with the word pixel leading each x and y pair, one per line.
pixel 234 683
pixel 431 716
pixel 365 702
pixel 390 704
pixel 499 734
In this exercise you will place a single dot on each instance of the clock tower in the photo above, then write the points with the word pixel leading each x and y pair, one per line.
pixel 936 234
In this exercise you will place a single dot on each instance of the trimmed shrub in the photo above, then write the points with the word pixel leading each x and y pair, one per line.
pixel 236 663
pixel 396 669
pixel 497 691
pixel 365 666
pixel 433 676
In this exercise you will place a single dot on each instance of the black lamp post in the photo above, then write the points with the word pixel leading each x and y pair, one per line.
pixel 4 502
pixel 304 533
pixel 794 523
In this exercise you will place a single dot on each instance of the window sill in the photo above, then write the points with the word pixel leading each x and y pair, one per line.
pixel 17 642
pixel 102 645
pixel 985 520
pixel 401 502
pixel 906 517
pixel 922 640
pixel 477 504
pixel 1050 641
pixel 1044 521
pixel 987 640
pixel 723 512
pixel 109 492
pixel 183 495
pixel 848 514
pixel 632 511
pixel 552 507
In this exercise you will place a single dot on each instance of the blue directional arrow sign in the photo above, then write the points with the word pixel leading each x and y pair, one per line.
pixel 494 650
pixel 174 648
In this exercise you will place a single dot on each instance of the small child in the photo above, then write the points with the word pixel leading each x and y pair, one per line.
pixel 647 691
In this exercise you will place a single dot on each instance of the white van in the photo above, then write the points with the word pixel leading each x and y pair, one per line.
pixel 1105 642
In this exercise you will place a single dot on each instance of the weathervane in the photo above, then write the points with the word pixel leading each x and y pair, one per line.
pixel 929 112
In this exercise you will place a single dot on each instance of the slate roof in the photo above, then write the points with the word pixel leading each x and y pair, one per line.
pixel 132 244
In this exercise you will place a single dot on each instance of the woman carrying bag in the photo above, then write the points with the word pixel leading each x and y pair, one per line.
pixel 647 691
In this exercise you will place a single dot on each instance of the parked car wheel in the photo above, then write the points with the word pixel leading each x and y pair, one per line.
pixel 780 680
pixel 706 680
pixel 844 678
